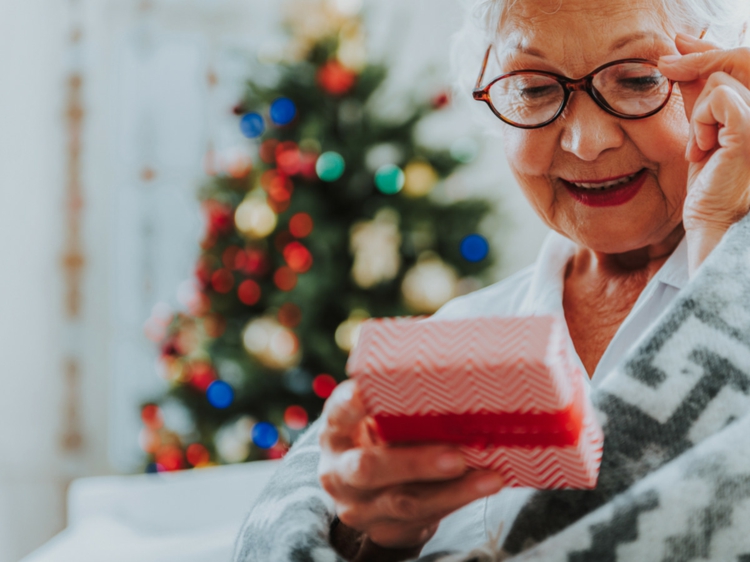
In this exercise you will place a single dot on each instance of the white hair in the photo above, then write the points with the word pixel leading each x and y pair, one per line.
pixel 727 22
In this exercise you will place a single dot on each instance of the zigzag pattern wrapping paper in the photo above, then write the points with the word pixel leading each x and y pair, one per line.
pixel 505 389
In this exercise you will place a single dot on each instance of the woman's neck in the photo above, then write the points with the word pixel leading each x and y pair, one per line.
pixel 601 290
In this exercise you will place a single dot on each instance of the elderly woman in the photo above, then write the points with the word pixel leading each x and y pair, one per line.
pixel 630 136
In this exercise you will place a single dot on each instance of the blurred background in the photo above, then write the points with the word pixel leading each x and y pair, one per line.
pixel 200 202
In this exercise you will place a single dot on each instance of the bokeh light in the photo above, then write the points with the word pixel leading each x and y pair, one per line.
pixel 151 416
pixel 474 248
pixel 419 179
pixel 300 225
pixel 283 111
pixel 330 166
pixel 254 218
pixel 298 257
pixel 249 292
pixel 222 280
pixel 220 395
pixel 323 385
pixel 197 455
pixel 170 458
pixel 389 179
pixel 295 417
pixel 201 375
pixel 285 278
pixel 265 435
pixel 252 125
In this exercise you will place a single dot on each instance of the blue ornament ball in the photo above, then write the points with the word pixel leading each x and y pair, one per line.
pixel 152 468
pixel 474 247
pixel 252 125
pixel 265 435
pixel 283 111
pixel 220 395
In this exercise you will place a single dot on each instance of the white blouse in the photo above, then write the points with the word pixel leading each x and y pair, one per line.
pixel 538 290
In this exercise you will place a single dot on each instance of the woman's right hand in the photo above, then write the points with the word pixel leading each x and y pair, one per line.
pixel 394 495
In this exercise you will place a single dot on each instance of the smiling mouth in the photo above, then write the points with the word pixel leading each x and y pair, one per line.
pixel 606 192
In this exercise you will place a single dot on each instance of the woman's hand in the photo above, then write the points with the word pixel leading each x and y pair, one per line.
pixel 395 496
pixel 715 86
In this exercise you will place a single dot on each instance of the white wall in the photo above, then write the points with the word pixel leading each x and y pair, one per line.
pixel 31 473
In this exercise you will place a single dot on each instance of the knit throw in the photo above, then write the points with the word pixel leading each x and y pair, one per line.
pixel 674 483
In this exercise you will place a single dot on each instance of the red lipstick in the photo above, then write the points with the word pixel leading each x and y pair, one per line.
pixel 608 197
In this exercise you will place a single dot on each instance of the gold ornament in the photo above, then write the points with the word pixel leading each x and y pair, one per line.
pixel 272 344
pixel 254 218
pixel 375 245
pixel 347 333
pixel 420 178
pixel 429 284
pixel 233 440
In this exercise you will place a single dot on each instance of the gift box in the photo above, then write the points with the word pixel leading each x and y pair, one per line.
pixel 506 390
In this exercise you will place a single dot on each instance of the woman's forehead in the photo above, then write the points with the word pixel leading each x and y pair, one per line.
pixel 583 30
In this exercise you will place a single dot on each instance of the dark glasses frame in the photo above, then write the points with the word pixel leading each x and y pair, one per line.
pixel 569 86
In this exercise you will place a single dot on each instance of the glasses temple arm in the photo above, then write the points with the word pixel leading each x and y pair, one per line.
pixel 484 67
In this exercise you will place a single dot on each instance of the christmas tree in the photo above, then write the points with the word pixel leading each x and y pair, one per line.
pixel 333 221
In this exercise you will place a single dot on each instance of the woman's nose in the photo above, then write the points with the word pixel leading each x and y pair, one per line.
pixel 588 130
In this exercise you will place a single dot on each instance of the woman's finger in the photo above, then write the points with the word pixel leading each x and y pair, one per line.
pixel 707 140
pixel 425 501
pixel 724 107
pixel 389 535
pixel 344 412
pixel 371 468
pixel 701 65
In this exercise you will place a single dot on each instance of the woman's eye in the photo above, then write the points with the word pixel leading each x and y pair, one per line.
pixel 538 92
pixel 641 83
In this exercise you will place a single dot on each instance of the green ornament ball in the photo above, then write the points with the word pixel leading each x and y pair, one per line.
pixel 330 166
pixel 389 179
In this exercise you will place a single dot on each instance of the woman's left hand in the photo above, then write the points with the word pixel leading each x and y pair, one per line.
pixel 715 86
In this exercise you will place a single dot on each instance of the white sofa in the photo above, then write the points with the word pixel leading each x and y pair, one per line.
pixel 191 516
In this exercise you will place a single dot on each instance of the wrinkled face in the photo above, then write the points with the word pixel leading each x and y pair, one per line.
pixel 586 145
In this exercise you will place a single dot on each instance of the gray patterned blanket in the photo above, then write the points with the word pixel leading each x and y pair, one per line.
pixel 674 484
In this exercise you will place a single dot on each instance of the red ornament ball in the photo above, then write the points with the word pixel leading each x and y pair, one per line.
pixel 277 451
pixel 170 458
pixel 295 417
pixel 323 385
pixel 300 225
pixel 285 278
pixel 255 262
pixel 197 455
pixel 219 218
pixel 202 375
pixel 249 292
pixel 441 100
pixel 298 257
pixel 280 188
pixel 336 79
pixel 151 416
pixel 222 280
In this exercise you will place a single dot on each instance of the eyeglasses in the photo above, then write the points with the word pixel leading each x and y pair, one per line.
pixel 530 99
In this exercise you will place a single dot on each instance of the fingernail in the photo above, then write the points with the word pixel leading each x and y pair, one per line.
pixel 686 36
pixel 489 484
pixel 450 462
pixel 670 59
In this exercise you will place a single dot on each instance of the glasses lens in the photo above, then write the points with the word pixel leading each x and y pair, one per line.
pixel 527 98
pixel 632 88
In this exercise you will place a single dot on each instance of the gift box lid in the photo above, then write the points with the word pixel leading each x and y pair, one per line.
pixel 421 366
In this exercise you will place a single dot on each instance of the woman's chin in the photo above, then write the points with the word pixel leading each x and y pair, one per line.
pixel 618 236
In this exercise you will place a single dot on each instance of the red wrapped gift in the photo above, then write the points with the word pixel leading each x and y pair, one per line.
pixel 505 389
